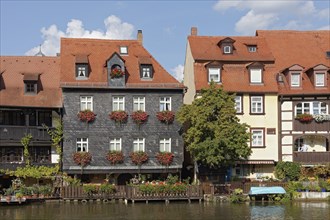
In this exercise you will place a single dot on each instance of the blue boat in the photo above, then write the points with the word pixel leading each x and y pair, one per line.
pixel 260 193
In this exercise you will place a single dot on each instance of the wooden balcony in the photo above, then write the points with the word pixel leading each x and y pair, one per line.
pixel 8 132
pixel 311 126
pixel 311 157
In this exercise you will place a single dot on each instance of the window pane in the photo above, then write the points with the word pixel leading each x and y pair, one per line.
pixel 295 79
pixel 319 81
pixel 214 74
pixel 256 76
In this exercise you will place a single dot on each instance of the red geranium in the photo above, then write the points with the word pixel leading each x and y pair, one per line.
pixel 139 157
pixel 116 73
pixel 115 157
pixel 118 116
pixel 82 158
pixel 165 158
pixel 166 117
pixel 139 117
pixel 306 118
pixel 86 116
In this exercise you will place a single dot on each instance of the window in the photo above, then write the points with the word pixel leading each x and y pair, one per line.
pixel 123 50
pixel 227 49
pixel 115 144
pixel 139 103
pixel 82 145
pixel 138 144
pixel 165 145
pixel 238 104
pixel 45 117
pixel 319 79
pixel 31 87
pixel 86 102
pixel 295 79
pixel 12 118
pixel 81 71
pixel 11 154
pixel 214 74
pixel 257 139
pixel 146 71
pixel 118 103
pixel 255 76
pixel 256 103
pixel 252 49
pixel 314 108
pixel 165 104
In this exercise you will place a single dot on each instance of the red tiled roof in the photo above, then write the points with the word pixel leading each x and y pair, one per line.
pixel 99 52
pixel 15 68
pixel 304 48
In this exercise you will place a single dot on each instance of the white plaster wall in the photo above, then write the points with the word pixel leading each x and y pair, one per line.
pixel 286 106
pixel 287 116
pixel 287 158
pixel 287 126
pixel 287 149
pixel 287 140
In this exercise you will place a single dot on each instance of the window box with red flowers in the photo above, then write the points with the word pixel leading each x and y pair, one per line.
pixel 115 157
pixel 119 116
pixel 86 116
pixel 82 158
pixel 165 158
pixel 116 73
pixel 139 157
pixel 305 118
pixel 139 117
pixel 166 117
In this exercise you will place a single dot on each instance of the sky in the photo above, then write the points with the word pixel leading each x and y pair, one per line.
pixel 24 25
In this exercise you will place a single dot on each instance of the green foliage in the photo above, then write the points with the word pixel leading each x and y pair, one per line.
pixel 90 189
pixel 56 136
pixel 287 170
pixel 36 172
pixel 237 196
pixel 9 191
pixel 107 188
pixel 172 179
pixel 45 190
pixel 25 141
pixel 213 134
pixel 71 181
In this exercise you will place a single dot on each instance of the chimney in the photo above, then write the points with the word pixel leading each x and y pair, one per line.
pixel 140 37
pixel 193 31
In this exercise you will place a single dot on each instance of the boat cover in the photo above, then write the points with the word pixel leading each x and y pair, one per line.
pixel 266 190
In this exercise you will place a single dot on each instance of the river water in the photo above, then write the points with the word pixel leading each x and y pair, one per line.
pixel 174 210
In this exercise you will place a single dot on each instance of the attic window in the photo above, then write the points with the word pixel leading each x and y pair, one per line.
pixel 146 71
pixel 227 49
pixel 30 83
pixel 82 71
pixel 295 79
pixel 123 50
pixel 252 49
pixel 328 54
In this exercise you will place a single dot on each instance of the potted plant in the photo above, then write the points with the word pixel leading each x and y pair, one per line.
pixel 8 193
pixel 86 116
pixel 166 117
pixel 304 118
pixel 82 158
pixel 19 197
pixel 115 157
pixel 165 158
pixel 139 157
pixel 107 188
pixel 119 116
pixel 139 117
pixel 116 73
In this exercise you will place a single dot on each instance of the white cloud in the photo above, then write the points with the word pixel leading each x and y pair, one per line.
pixel 177 72
pixel 327 28
pixel 115 29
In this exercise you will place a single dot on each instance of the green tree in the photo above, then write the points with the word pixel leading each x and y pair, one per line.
pixel 287 170
pixel 212 131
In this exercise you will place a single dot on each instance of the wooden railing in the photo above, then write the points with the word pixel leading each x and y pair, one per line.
pixel 77 192
pixel 311 157
pixel 8 132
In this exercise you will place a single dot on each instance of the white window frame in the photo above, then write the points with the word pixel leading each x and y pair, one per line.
pixel 238 104
pixel 252 49
pixel 86 103
pixel 123 50
pixel 227 49
pixel 314 108
pixel 139 103
pixel 118 103
pixel 295 79
pixel 257 104
pixel 214 74
pixel 146 72
pixel 115 144
pixel 165 145
pixel 165 103
pixel 82 143
pixel 319 82
pixel 82 71
pixel 257 137
pixel 255 75
pixel 139 144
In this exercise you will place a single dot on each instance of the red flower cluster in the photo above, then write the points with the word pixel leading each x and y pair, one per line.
pixel 82 158
pixel 118 116
pixel 139 157
pixel 86 116
pixel 305 118
pixel 139 117
pixel 115 157
pixel 116 73
pixel 166 117
pixel 165 158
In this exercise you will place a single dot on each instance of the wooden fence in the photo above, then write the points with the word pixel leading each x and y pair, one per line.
pixel 77 192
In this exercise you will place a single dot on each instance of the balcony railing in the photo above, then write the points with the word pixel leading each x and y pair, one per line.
pixel 8 132
pixel 311 157
pixel 311 126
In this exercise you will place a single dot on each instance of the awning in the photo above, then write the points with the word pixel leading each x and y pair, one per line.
pixel 31 76
pixel 255 162
pixel 81 58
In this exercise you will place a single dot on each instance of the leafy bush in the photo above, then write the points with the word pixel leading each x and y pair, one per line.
pixel 107 188
pixel 46 190
pixel 237 196
pixel 287 170
pixel 90 189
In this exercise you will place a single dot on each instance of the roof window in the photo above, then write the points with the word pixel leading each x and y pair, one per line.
pixel 252 49
pixel 123 50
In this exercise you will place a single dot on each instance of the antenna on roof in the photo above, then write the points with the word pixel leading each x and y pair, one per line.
pixel 40 54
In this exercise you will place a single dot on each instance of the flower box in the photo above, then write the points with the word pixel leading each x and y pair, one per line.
pixel 139 117
pixel 305 118
pixel 86 116
pixel 119 116
pixel 165 158
pixel 116 73
pixel 139 157
pixel 115 157
pixel 166 117
pixel 82 158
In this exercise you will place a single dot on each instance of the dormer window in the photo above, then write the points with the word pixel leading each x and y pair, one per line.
pixel 146 71
pixel 319 79
pixel 252 49
pixel 82 71
pixel 226 45
pixel 30 84
pixel 295 79
pixel 255 71
pixel 123 50
pixel 227 49
pixel 214 74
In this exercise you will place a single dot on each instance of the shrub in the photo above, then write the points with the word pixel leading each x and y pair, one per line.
pixel 237 196
pixel 90 189
pixel 107 188
pixel 287 170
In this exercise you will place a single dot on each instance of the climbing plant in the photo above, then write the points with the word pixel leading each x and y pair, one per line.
pixel 57 137
pixel 25 141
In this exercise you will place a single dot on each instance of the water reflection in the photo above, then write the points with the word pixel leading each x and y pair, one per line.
pixel 174 210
